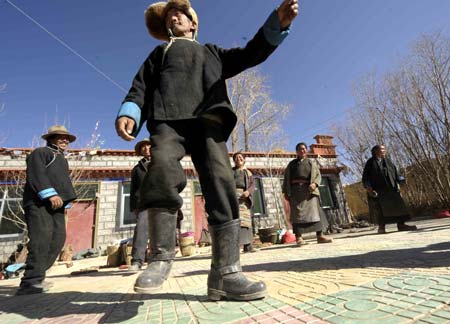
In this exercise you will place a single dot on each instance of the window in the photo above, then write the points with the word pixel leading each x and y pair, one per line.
pixel 127 218
pixel 259 202
pixel 197 188
pixel 86 190
pixel 12 221
pixel 326 197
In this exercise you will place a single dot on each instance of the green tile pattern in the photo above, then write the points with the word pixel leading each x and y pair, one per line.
pixel 400 298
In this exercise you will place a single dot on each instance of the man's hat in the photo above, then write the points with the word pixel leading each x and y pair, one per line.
pixel 138 146
pixel 59 130
pixel 155 16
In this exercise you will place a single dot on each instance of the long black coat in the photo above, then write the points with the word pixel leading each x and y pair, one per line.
pixel 187 80
pixel 47 175
pixel 137 175
pixel 388 206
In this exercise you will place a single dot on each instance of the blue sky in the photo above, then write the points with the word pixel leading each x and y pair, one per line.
pixel 333 43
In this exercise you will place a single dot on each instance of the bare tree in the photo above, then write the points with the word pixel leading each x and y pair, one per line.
pixel 259 117
pixel 408 110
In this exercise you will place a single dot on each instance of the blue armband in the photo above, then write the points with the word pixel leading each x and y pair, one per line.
pixel 272 30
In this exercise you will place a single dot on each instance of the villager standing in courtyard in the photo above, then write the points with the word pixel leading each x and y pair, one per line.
pixel 180 91
pixel 382 183
pixel 301 188
pixel 245 187
pixel 48 190
pixel 140 237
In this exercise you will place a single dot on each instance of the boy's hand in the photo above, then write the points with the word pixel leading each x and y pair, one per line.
pixel 287 12
pixel 124 128
pixel 56 202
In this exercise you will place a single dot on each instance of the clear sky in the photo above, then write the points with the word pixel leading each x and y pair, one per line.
pixel 332 44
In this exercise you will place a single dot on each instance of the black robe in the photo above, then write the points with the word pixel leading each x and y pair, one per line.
pixel 388 207
pixel 137 176
pixel 47 175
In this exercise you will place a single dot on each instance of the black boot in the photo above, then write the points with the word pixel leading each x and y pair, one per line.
pixel 226 278
pixel 161 223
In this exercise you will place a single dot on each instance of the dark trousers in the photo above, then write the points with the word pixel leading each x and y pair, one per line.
pixel 140 238
pixel 206 143
pixel 47 234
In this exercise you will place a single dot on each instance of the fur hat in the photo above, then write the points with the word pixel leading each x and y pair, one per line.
pixel 138 146
pixel 155 16
pixel 58 130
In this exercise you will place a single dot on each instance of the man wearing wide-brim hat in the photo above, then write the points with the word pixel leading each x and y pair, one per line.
pixel 48 190
pixel 140 236
pixel 180 91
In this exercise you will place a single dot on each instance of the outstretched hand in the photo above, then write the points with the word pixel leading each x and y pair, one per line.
pixel 124 128
pixel 287 12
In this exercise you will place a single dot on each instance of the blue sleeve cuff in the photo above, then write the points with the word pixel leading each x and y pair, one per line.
pixel 272 30
pixel 47 193
pixel 68 206
pixel 130 109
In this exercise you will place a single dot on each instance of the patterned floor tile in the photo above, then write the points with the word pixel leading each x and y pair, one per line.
pixel 382 301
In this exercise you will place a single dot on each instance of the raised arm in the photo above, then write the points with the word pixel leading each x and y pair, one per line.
pixel 268 37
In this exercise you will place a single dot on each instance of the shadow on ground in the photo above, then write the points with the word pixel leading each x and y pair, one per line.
pixel 104 307
pixel 431 256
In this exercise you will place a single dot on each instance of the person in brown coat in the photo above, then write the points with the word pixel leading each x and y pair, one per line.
pixel 301 188
pixel 245 187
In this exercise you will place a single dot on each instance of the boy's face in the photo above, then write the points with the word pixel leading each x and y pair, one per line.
pixel 61 141
pixel 179 23
pixel 145 150
pixel 239 160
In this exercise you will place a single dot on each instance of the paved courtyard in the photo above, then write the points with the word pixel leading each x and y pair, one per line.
pixel 399 277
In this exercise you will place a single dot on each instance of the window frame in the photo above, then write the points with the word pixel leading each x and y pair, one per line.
pixel 325 184
pixel 3 206
pixel 123 196
pixel 259 190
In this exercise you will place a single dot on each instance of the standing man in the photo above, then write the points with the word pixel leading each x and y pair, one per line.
pixel 382 183
pixel 180 91
pixel 48 190
pixel 140 237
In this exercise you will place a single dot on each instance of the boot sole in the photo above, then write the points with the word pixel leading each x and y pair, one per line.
pixel 141 290
pixel 216 295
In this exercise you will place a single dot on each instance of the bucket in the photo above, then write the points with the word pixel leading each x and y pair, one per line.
pixel 113 255
pixel 187 244
pixel 268 235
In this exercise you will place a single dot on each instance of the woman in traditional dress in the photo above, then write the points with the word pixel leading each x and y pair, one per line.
pixel 245 186
pixel 301 188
